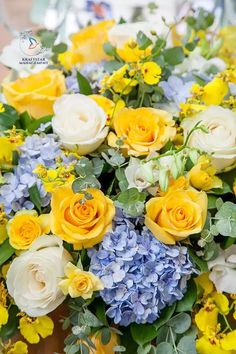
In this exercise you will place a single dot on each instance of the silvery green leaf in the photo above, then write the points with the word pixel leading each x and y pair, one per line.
pixel 164 348
pixel 180 323
pixel 187 345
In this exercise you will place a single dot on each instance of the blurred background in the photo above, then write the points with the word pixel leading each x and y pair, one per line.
pixel 67 16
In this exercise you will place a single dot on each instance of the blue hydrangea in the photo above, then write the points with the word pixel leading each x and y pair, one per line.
pixel 37 149
pixel 175 89
pixel 141 275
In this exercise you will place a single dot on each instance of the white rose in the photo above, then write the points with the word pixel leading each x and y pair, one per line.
pixel 80 123
pixel 220 142
pixel 223 270
pixel 141 175
pixel 122 33
pixel 33 276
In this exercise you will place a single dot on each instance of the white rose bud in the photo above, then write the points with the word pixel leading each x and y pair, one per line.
pixel 33 276
pixel 80 123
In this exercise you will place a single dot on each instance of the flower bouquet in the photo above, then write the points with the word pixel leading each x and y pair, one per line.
pixel 117 191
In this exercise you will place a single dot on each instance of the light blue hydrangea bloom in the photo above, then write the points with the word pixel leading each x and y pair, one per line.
pixel 141 275
pixel 176 90
pixel 37 149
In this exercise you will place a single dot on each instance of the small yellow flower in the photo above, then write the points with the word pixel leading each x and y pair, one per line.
pixel 205 283
pixel 32 328
pixel 2 109
pixel 3 315
pixel 54 178
pixel 202 176
pixel 6 151
pixel 108 105
pixel 25 227
pixel 189 109
pixel 215 91
pixel 17 348
pixel 79 283
pixel 151 73
pixel 3 223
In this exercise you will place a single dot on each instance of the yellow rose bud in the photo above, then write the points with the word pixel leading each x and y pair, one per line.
pixel 144 130
pixel 80 221
pixel 177 214
pixel 35 93
pixel 202 176
pixel 79 283
pixel 215 91
pixel 25 227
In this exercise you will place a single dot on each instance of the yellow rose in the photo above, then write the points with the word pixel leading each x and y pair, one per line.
pixel 144 130
pixel 87 45
pixel 82 222
pixel 79 283
pixel 202 176
pixel 35 93
pixel 25 227
pixel 177 214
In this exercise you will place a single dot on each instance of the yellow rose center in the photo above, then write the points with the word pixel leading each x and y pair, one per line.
pixel 81 283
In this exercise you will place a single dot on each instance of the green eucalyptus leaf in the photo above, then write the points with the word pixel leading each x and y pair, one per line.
pixel 174 56
pixel 143 41
pixel 180 323
pixel 226 219
pixel 187 345
pixel 80 184
pixel 165 348
pixel 165 316
pixel 109 49
pixel 59 48
pixel 105 336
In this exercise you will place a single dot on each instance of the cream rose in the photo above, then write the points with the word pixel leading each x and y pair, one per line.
pixel 220 142
pixel 223 270
pixel 122 33
pixel 33 277
pixel 80 123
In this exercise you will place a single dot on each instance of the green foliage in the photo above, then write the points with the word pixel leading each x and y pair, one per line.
pixel 143 333
pixel 113 157
pixel 8 118
pixel 143 41
pixel 200 263
pixel 6 251
pixel 226 219
pixel 35 197
pixel 47 37
pixel 80 184
pixel 84 85
pixel 131 201
pixel 202 21
pixel 59 48
pixel 35 124
pixel 10 329
pixel 87 170
pixel 109 49
pixel 112 65
pixel 174 56
pixel 186 304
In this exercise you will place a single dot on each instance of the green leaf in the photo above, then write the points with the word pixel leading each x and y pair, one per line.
pixel 224 190
pixel 47 37
pixel 10 329
pixel 84 167
pixel 109 49
pixel 226 223
pixel 131 201
pixel 36 123
pixel 6 251
pixel 174 56
pixel 59 48
pixel 165 348
pixel 105 336
pixel 200 263
pixel 143 333
pixel 143 41
pixel 211 201
pixel 180 323
pixel 83 183
pixel 165 316
pixel 120 175
pixel 8 118
pixel 187 345
pixel 89 319
pixel 158 46
pixel 186 304
pixel 84 85
pixel 112 65
pixel 72 349
pixel 25 120
pixel 35 197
